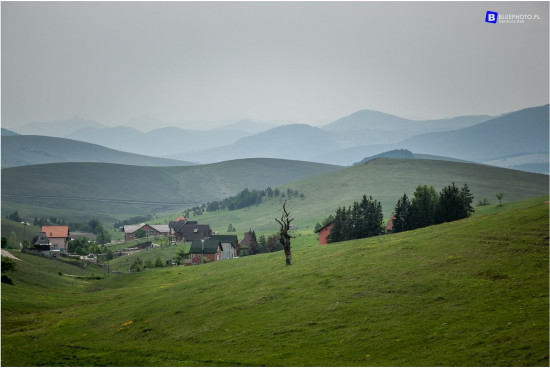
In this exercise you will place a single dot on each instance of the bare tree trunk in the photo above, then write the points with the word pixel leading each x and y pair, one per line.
pixel 284 237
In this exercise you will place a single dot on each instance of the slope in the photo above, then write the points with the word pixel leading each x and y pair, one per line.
pixel 384 179
pixel 34 149
pixel 518 133
pixel 58 128
pixel 467 293
pixel 157 142
pixel 293 142
pixel 379 121
pixel 112 191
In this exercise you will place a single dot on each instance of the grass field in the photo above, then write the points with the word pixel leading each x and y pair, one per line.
pixel 80 191
pixel 386 180
pixel 468 293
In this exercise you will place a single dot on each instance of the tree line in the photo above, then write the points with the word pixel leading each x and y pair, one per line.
pixel 362 220
pixel 427 207
pixel 247 198
pixel 263 244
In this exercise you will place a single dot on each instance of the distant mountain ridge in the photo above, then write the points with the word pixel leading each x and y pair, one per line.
pixel 24 150
pixel 513 134
pixel 8 133
pixel 291 142
pixel 58 128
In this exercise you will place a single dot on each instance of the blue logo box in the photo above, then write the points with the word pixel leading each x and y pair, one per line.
pixel 491 17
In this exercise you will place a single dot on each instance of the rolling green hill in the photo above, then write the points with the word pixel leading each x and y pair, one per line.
pixel 23 150
pixel 108 191
pixel 384 179
pixel 468 293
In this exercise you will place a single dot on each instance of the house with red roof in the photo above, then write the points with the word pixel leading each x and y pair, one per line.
pixel 59 237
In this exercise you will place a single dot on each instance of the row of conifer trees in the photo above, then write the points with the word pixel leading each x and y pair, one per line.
pixel 427 207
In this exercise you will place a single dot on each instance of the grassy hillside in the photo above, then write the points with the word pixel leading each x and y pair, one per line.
pixel 468 293
pixel 34 149
pixel 21 231
pixel 384 179
pixel 109 191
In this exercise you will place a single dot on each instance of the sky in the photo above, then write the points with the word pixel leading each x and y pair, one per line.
pixel 307 62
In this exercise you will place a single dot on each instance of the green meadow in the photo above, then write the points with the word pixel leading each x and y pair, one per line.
pixel 386 180
pixel 468 293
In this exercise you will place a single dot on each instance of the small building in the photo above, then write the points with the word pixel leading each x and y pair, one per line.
pixel 389 224
pixel 43 247
pixel 59 237
pixel 324 233
pixel 216 248
pixel 245 244
pixel 209 249
pixel 150 230
pixel 230 245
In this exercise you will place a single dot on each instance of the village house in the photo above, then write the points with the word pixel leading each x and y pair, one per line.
pixel 150 230
pixel 183 230
pixel 230 245
pixel 389 224
pixel 324 233
pixel 216 248
pixel 244 245
pixel 59 237
pixel 42 246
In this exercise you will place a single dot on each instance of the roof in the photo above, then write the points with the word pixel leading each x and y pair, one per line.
pixel 327 225
pixel 56 231
pixel 247 240
pixel 129 229
pixel 226 239
pixel 210 246
pixel 193 232
pixel 181 218
pixel 132 228
pixel 161 228
pixel 41 239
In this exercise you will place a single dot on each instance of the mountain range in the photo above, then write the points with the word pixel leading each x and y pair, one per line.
pixel 21 150
pixel 515 140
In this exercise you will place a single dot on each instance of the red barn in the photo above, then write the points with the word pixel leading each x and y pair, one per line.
pixel 324 233
pixel 389 225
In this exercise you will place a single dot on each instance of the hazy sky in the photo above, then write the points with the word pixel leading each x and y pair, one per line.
pixel 303 61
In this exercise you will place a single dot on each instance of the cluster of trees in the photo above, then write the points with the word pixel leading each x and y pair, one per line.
pixel 362 220
pixel 132 220
pixel 247 198
pixel 264 244
pixel 83 246
pixel 138 265
pixel 428 207
pixel 14 216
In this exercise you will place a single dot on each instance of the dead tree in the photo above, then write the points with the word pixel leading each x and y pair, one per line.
pixel 284 237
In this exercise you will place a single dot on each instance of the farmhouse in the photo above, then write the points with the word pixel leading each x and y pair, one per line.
pixel 59 237
pixel 245 243
pixel 150 230
pixel 42 246
pixel 389 224
pixel 230 245
pixel 183 230
pixel 209 249
pixel 324 233
pixel 216 248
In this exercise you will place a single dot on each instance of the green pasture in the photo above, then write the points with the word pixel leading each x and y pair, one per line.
pixel 468 293
pixel 384 179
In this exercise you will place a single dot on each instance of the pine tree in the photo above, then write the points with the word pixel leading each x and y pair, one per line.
pixel 402 214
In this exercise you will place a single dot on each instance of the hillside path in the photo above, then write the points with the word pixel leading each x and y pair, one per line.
pixel 5 253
